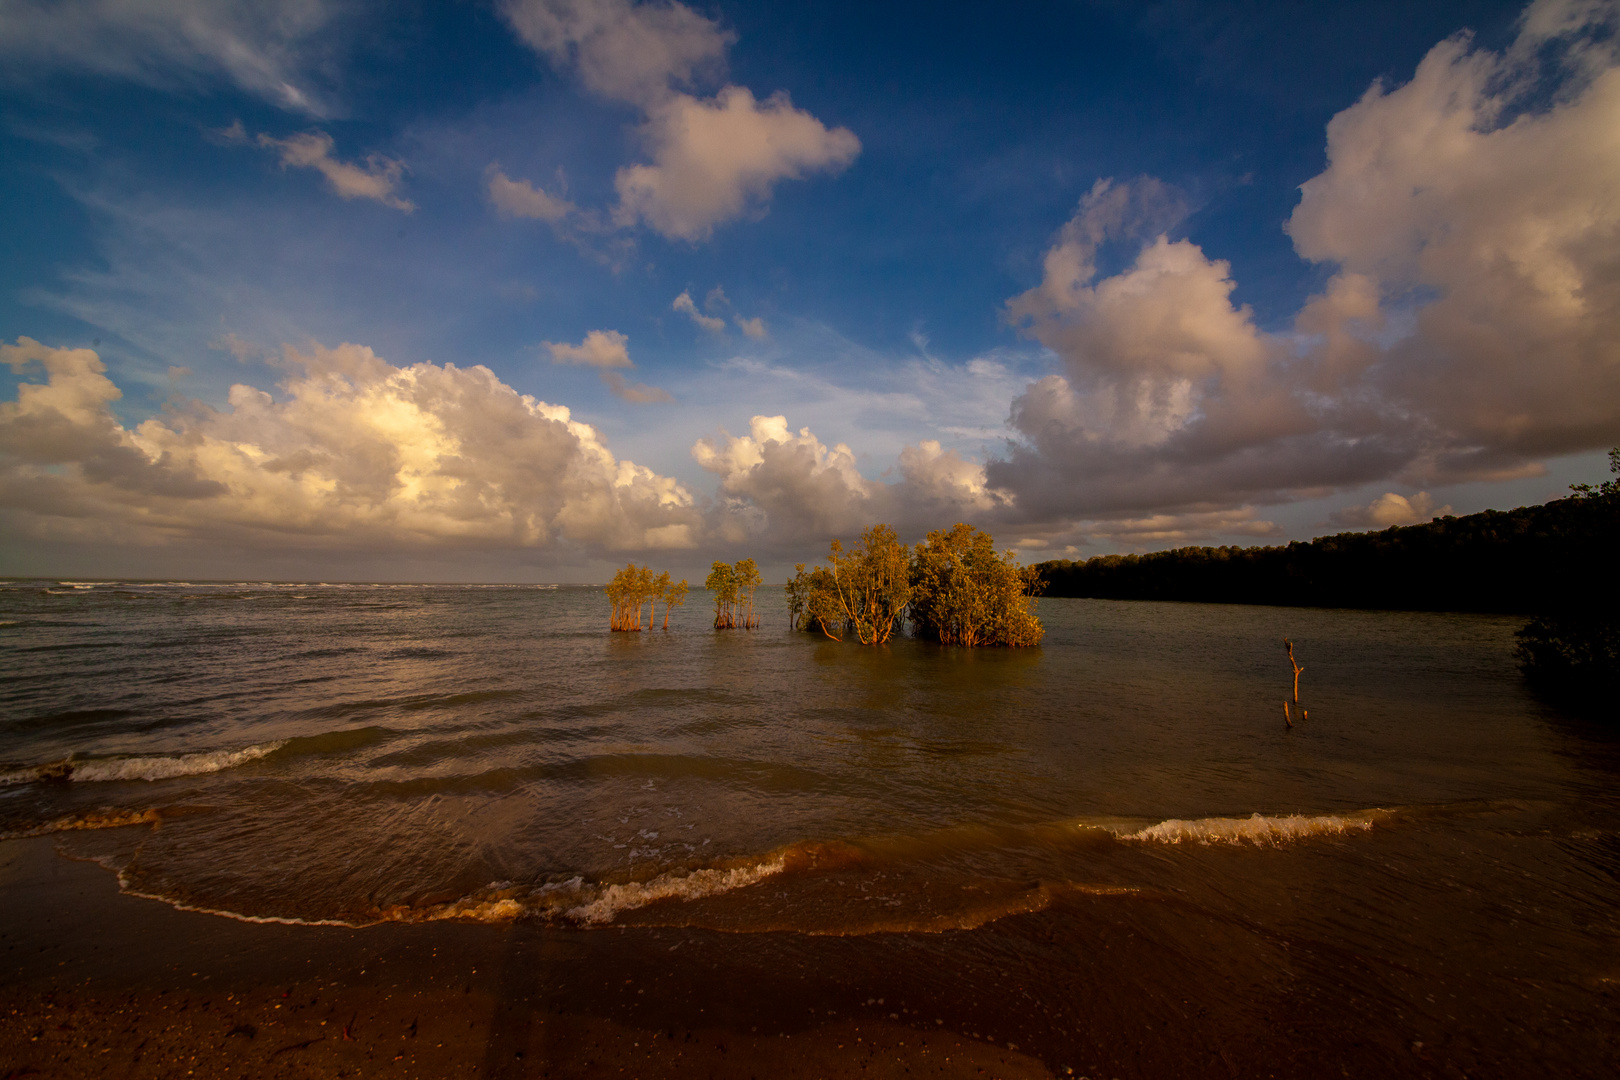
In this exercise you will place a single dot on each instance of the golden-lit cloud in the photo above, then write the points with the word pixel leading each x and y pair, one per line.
pixel 1500 217
pixel 715 159
pixel 354 452
pixel 600 349
pixel 377 179
pixel 1391 509
pixel 778 486
pixel 1467 330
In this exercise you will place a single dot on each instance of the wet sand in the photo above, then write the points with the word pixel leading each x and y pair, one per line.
pixel 100 984
pixel 97 983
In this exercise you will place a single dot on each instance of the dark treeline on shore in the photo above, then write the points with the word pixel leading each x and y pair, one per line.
pixel 1556 562
pixel 1530 560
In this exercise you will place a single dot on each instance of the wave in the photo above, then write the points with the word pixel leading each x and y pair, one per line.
pixel 150 767
pixel 830 888
pixel 1256 829
pixel 586 903
pixel 573 902
pixel 100 819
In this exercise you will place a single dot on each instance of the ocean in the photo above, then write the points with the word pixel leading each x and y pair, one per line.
pixel 1108 843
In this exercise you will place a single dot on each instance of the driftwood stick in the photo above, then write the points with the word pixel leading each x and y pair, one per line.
pixel 1298 667
pixel 1289 720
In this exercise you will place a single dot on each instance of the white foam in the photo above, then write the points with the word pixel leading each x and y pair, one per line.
pixel 261 920
pixel 1256 829
pixel 699 883
pixel 585 903
pixel 92 770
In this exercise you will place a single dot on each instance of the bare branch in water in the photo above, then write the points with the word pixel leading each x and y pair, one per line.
pixel 1298 667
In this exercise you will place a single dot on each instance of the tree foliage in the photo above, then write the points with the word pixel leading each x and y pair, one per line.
pixel 872 583
pixel 954 588
pixel 630 588
pixel 674 596
pixel 813 602
pixel 964 593
pixel 635 587
pixel 748 578
pixel 722 582
pixel 1570 652
pixel 1573 657
pixel 733 586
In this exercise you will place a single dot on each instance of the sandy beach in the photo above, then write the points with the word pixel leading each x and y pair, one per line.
pixel 98 984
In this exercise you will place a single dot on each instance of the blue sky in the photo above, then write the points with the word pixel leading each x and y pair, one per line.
pixel 1046 267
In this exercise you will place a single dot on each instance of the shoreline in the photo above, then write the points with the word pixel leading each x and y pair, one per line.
pixel 101 983
pixel 1112 987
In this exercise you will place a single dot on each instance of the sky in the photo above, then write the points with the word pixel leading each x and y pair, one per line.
pixel 522 290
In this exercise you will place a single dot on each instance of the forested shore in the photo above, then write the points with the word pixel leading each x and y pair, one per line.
pixel 1534 559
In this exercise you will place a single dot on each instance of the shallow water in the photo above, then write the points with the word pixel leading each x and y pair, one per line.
pixel 360 754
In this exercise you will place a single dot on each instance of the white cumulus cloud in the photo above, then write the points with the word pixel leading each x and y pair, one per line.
pixel 780 487
pixel 714 159
pixel 1467 330
pixel 1499 213
pixel 353 453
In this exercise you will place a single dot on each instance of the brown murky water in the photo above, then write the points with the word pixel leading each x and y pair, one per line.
pixel 1110 841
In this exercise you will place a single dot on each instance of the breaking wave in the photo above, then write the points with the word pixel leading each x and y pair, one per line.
pixel 586 904
pixel 1256 829
pixel 152 767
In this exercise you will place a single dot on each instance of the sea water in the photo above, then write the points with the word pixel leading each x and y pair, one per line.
pixel 1431 843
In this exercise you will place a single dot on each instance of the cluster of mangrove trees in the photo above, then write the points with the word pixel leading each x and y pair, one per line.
pixel 636 587
pixel 953 587
pixel 733 586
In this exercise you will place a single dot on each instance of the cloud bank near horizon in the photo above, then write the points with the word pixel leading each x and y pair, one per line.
pixel 357 453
